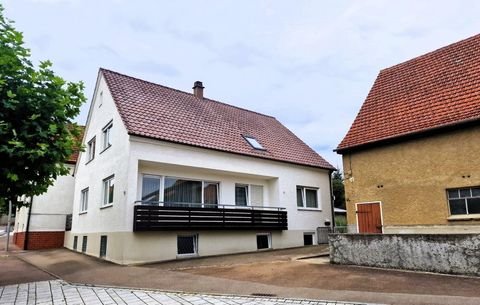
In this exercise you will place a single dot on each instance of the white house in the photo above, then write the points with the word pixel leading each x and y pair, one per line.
pixel 168 174
pixel 43 225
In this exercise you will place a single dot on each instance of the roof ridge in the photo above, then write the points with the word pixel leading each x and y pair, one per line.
pixel 431 52
pixel 184 92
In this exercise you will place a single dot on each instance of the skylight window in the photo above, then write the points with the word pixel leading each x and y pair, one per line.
pixel 253 142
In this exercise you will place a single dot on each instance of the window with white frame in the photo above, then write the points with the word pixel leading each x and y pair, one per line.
pixel 253 142
pixel 308 238
pixel 84 200
pixel 91 149
pixel 108 190
pixel 106 136
pixel 464 201
pixel 248 194
pixel 241 194
pixel 150 189
pixel 179 191
pixel 307 197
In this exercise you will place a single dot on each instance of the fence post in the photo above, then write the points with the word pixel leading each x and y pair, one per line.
pixel 9 219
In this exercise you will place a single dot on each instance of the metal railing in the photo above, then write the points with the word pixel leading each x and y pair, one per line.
pixel 158 216
pixel 340 229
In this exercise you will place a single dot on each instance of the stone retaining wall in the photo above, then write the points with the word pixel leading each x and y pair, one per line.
pixel 443 253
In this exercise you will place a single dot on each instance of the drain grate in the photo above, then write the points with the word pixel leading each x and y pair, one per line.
pixel 263 295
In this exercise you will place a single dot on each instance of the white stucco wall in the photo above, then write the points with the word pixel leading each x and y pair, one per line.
pixel 278 178
pixel 111 161
pixel 49 210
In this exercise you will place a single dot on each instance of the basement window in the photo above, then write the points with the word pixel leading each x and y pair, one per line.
pixel 464 201
pixel 75 242
pixel 264 241
pixel 308 239
pixel 103 245
pixel 84 244
pixel 254 142
pixel 187 245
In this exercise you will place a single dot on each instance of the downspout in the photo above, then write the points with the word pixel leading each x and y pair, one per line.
pixel 25 242
pixel 330 172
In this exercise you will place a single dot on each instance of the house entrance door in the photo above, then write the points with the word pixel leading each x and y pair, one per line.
pixel 369 217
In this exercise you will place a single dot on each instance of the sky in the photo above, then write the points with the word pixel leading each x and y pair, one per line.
pixel 310 64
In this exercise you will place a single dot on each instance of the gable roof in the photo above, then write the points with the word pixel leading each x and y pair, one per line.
pixel 436 90
pixel 154 111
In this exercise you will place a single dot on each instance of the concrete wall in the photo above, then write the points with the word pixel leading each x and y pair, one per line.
pixel 410 180
pixel 143 247
pixel 447 253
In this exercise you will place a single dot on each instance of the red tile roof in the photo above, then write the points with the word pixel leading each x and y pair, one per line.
pixel 158 112
pixel 438 89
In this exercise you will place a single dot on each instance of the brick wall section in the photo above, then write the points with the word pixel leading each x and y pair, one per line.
pixel 19 239
pixel 40 240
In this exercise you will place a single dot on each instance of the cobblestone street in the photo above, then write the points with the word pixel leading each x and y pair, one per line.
pixel 58 292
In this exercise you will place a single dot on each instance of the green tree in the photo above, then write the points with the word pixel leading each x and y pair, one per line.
pixel 338 190
pixel 36 111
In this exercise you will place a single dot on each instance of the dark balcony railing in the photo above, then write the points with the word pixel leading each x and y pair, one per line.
pixel 158 216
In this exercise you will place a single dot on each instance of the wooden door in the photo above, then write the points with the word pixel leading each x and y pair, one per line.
pixel 369 217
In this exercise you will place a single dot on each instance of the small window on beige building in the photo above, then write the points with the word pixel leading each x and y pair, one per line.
pixel 464 201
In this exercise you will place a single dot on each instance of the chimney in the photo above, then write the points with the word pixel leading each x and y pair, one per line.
pixel 198 89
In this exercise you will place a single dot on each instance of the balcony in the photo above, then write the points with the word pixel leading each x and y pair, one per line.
pixel 158 216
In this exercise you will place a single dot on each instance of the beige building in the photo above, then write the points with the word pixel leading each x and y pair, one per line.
pixel 168 175
pixel 410 157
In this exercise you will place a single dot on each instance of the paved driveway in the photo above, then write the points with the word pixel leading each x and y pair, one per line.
pixel 276 273
pixel 58 292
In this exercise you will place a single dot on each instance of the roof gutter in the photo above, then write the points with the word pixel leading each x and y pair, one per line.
pixel 409 136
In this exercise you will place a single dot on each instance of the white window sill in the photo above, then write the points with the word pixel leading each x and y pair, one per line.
pixel 265 249
pixel 106 206
pixel 82 212
pixel 464 217
pixel 309 209
pixel 191 255
pixel 104 149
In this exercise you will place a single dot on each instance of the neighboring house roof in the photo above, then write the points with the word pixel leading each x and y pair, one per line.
pixel 158 112
pixel 435 90
pixel 74 157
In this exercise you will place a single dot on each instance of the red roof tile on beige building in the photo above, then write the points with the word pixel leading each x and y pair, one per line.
pixel 435 90
pixel 158 112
